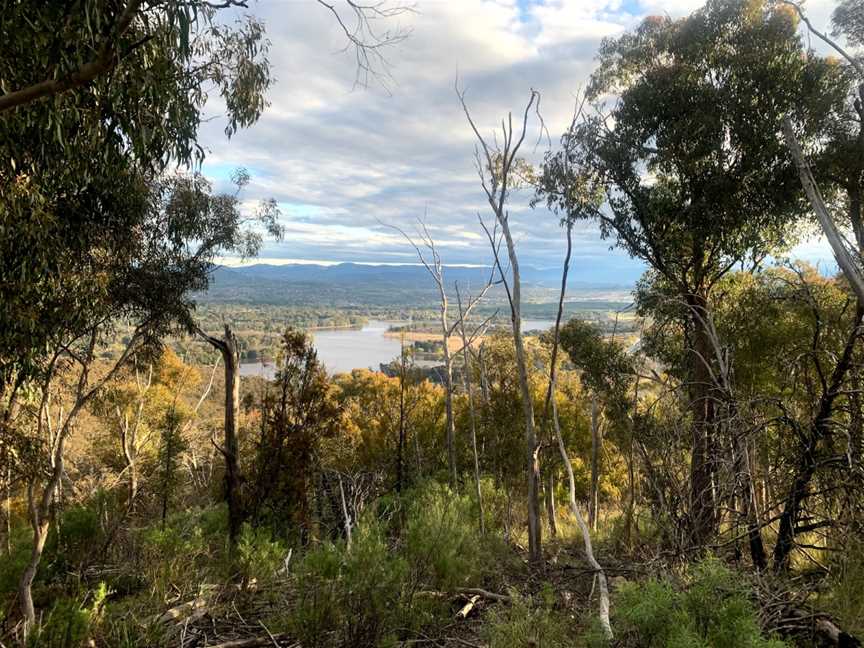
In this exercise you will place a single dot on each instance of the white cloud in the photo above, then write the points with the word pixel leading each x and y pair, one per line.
pixel 339 158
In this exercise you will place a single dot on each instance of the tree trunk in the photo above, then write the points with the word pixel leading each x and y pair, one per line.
pixel 448 401
pixel 550 504
pixel 535 547
pixel 230 350
pixel 595 464
pixel 466 383
pixel 702 504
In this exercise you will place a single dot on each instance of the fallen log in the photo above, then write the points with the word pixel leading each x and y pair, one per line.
pixel 466 609
pixel 825 629
pixel 194 608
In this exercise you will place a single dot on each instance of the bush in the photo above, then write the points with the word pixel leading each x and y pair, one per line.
pixel 68 623
pixel 846 595
pixel 259 555
pixel 442 539
pixel 189 549
pixel 350 597
pixel 714 611
pixel 528 622
pixel 75 538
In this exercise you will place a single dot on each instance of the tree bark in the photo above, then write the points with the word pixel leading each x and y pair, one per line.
pixel 531 450
pixel 595 464
pixel 550 504
pixel 702 404
pixel 851 269
pixel 229 348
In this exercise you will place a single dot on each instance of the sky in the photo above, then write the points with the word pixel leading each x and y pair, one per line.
pixel 344 162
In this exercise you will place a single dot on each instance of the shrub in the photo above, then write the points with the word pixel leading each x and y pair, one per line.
pixel 259 554
pixel 75 538
pixel 350 597
pixel 69 621
pixel 528 622
pixel 187 549
pixel 442 539
pixel 846 595
pixel 713 610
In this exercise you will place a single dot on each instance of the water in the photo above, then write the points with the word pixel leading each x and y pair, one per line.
pixel 341 350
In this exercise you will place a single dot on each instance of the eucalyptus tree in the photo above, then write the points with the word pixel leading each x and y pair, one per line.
pixel 144 285
pixel 498 166
pixel 695 173
pixel 97 102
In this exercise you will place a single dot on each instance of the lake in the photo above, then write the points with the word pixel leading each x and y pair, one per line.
pixel 341 350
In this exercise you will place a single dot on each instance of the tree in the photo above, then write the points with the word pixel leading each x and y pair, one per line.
pixel 606 371
pixel 145 284
pixel 696 180
pixel 497 169
pixel 297 414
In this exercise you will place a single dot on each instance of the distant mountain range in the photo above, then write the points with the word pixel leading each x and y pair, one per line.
pixel 354 284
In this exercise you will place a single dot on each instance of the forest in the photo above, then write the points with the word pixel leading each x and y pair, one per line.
pixel 686 470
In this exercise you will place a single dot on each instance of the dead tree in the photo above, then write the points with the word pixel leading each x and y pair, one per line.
pixel 229 348
pixel 496 169
pixel 435 268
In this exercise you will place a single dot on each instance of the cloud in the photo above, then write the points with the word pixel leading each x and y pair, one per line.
pixel 340 160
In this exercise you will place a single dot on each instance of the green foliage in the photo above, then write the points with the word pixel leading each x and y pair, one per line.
pixel 845 598
pixel 87 234
pixel 528 622
pixel 171 445
pixel 297 413
pixel 187 549
pixel 350 597
pixel 75 536
pixel 441 538
pixel 12 565
pixel 69 621
pixel 259 554
pixel 712 610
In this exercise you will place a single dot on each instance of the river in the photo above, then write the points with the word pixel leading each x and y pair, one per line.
pixel 341 350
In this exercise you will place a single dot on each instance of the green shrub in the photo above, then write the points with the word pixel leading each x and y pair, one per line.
pixel 350 597
pixel 69 621
pixel 712 611
pixel 259 554
pixel 528 622
pixel 12 565
pixel 442 540
pixel 75 538
pixel 846 594
pixel 190 548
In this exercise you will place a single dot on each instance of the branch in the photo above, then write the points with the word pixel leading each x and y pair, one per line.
pixel 80 77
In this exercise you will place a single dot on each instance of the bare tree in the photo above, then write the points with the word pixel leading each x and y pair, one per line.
pixel 431 260
pixel 496 169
